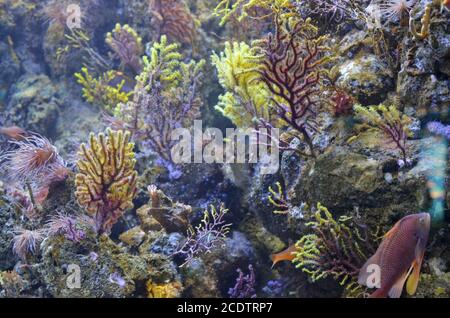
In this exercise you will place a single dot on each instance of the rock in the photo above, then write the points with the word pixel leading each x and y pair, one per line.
pixel 367 78
pixel 34 105
pixel 133 237
pixel 167 244
pixel 199 280
pixel 9 69
pixel 7 259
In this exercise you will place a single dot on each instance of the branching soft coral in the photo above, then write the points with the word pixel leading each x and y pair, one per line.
pixel 391 122
pixel 241 9
pixel 209 234
pixel 165 98
pixel 246 98
pixel 127 46
pixel 173 19
pixel 294 59
pixel 100 91
pixel 106 182
pixel 334 248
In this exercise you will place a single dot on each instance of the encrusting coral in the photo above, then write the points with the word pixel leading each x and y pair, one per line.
pixel 106 182
pixel 165 290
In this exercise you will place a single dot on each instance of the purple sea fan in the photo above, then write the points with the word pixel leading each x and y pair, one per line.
pixel 25 242
pixel 245 285
pixel 210 233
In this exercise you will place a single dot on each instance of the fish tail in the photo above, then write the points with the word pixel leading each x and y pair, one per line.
pixel 275 260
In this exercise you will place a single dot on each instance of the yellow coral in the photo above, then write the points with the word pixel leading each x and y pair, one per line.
pixel 106 182
pixel 246 98
pixel 163 62
pixel 240 9
pixel 426 20
pixel 98 91
pixel 167 290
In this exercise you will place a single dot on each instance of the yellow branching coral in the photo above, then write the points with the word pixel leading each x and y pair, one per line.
pixel 278 200
pixel 167 290
pixel 334 248
pixel 240 9
pixel 425 29
pixel 100 91
pixel 391 122
pixel 106 182
pixel 162 65
pixel 246 98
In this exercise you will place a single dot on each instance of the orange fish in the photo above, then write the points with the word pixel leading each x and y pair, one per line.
pixel 398 257
pixel 286 255
pixel 446 3
pixel 13 132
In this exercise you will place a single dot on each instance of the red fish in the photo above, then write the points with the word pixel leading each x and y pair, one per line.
pixel 398 257
pixel 13 132
pixel 286 255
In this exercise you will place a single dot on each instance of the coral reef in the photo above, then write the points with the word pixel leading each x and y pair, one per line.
pixel 336 248
pixel 359 91
pixel 245 100
pixel 173 19
pixel 293 62
pixel 106 182
pixel 207 235
pixel 165 98
pixel 393 124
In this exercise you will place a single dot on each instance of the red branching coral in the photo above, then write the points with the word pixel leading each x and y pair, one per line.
pixel 172 18
pixel 127 46
pixel 293 61
pixel 342 103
